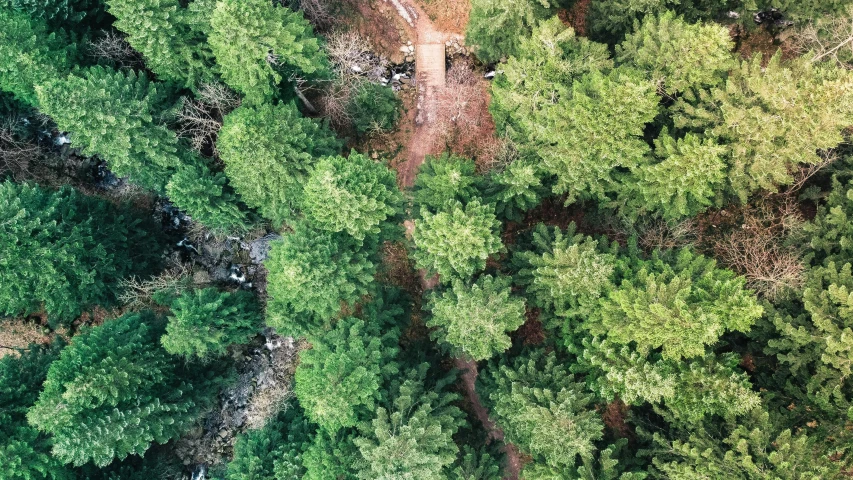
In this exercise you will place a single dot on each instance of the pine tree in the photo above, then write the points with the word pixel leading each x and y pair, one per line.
pixel 113 392
pixel 515 190
pixel 411 434
pixel 109 113
pixel 773 118
pixel 830 234
pixel 206 196
pixel 475 320
pixel 58 14
pixel 30 55
pixel 606 466
pixel 65 252
pixel 162 31
pixel 331 456
pixel 456 243
pixel 205 322
pixel 445 179
pixel 273 452
pixel 475 465
pixel 542 409
pixel 268 151
pixel 354 195
pixel 338 380
pixel 24 452
pixel 685 181
pixel 374 108
pixel 257 45
pixel 680 306
pixel 310 274
pixel 679 55
pixel 610 20
pixel 496 26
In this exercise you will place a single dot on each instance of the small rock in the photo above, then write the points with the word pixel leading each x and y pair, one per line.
pixel 410 58
pixel 404 49
pixel 409 42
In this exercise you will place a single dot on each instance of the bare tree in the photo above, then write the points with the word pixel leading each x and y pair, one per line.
pixel 113 48
pixel 661 235
pixel 17 157
pixel 200 119
pixel 829 39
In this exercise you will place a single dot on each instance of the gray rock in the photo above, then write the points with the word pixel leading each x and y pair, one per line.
pixel 259 249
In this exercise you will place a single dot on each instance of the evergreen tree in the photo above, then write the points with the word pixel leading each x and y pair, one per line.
pixel 542 409
pixel 475 320
pixel 610 20
pixel 374 108
pixel 680 306
pixel 24 452
pixel 830 234
pixel 30 55
pixel 331 456
pixel 445 179
pixel 606 466
pixel 310 274
pixel 515 190
pixel 475 465
pixel 354 195
pixel 58 14
pixel 258 44
pixel 684 183
pixel 205 322
pixel 162 31
pixel 411 434
pixel 268 151
pixel 496 26
pixel 273 452
pixel 206 196
pixel 456 243
pixel 773 118
pixel 338 380
pixel 65 252
pixel 679 55
pixel 113 392
pixel 110 114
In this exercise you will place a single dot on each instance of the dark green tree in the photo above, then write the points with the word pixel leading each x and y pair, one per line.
pixel 411 434
pixel 24 451
pixel 445 179
pixel 331 456
pixel 338 380
pixel 59 14
pixel 497 26
pixel 207 197
pixel 114 391
pixel 610 20
pixel 475 320
pixel 273 452
pixel 374 108
pixel 64 252
pixel 515 189
pixel 205 322
pixel 268 151
pixel 258 45
pixel 475 465
pixel 311 273
pixel 456 243
pixel 355 195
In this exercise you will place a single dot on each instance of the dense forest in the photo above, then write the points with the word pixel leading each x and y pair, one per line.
pixel 285 239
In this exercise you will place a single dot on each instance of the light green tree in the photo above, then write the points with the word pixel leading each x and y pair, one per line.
pixel 338 381
pixel 456 243
pixel 411 434
pixel 30 55
pixel 311 274
pixel 163 32
pixel 258 45
pixel 679 55
pixel 206 197
pixel 205 322
pixel 446 179
pixel 268 151
pixel 355 195
pixel 515 189
pixel 113 392
pixel 475 320
pixel 331 456
pixel 63 252
pixel 497 26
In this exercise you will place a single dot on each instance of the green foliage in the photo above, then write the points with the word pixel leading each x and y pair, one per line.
pixel 542 409
pixel 566 272
pixel 331 457
pixel 113 392
pixel 474 320
pixel 690 390
pixel 338 380
pixel 679 55
pixel 274 451
pixel 206 197
pixel 205 322
pixel 445 179
pixel 258 44
pixel 354 195
pixel 830 234
pixel 605 467
pixel 456 243
pixel 475 465
pixel 497 26
pixel 542 72
pixel 268 151
pixel 311 273
pixel 374 108
pixel 684 182
pixel 24 452
pixel 65 252
pixel 110 114
pixel 30 55
pixel 162 31
pixel 411 435
pixel 515 189
pixel 752 450
pixel 610 20
pixel 773 118
pixel 680 306
pixel 58 14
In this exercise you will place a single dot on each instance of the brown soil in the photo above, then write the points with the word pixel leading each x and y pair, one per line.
pixel 16 335
pixel 448 15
